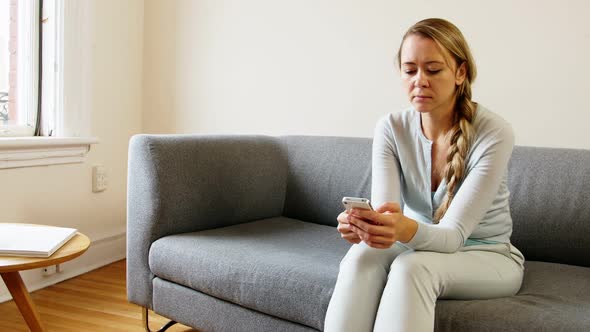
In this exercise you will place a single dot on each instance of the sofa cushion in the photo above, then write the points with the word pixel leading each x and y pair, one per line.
pixel 278 266
pixel 288 268
pixel 553 297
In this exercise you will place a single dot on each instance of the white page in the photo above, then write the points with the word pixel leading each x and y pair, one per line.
pixel 32 240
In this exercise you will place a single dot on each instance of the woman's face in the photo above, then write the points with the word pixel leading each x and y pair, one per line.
pixel 429 75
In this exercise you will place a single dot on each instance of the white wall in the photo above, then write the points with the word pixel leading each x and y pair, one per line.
pixel 327 67
pixel 62 194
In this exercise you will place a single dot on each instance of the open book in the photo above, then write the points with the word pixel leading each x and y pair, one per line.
pixel 32 240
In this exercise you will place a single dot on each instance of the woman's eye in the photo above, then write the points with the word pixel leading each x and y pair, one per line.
pixel 410 72
pixel 433 72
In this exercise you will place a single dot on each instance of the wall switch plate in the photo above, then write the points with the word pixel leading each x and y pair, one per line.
pixel 99 179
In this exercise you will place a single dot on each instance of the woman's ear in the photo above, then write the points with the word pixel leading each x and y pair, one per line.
pixel 461 73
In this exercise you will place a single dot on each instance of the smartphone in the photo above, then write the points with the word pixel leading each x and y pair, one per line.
pixel 356 203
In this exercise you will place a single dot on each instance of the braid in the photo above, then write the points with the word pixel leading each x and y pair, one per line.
pixel 461 135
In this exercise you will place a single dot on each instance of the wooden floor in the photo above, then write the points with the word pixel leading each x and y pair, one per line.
pixel 95 301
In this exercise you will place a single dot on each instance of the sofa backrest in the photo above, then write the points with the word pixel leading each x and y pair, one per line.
pixel 194 182
pixel 550 204
pixel 321 171
pixel 550 192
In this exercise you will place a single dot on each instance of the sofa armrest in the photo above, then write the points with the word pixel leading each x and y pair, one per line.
pixel 187 183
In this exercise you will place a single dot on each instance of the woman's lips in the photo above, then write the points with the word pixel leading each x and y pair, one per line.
pixel 421 98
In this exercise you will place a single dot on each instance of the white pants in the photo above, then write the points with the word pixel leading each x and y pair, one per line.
pixel 396 289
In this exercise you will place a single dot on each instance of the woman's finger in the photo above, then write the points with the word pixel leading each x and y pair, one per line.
pixel 342 217
pixel 365 214
pixel 378 239
pixel 344 228
pixel 389 207
pixel 385 230
pixel 351 237
pixel 371 238
pixel 373 217
pixel 376 218
pixel 387 239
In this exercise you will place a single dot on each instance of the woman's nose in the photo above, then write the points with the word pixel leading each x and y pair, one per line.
pixel 420 80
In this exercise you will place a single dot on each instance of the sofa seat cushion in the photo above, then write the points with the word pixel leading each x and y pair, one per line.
pixel 553 297
pixel 279 266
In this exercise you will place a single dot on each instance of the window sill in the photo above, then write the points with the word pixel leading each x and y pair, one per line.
pixel 18 152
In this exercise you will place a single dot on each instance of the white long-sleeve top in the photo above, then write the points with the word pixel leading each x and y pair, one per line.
pixel 480 211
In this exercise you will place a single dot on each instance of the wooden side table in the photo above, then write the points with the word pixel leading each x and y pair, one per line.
pixel 11 265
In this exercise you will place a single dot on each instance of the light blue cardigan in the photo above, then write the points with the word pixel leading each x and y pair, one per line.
pixel 480 211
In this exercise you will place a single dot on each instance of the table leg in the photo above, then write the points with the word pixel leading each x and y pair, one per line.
pixel 23 300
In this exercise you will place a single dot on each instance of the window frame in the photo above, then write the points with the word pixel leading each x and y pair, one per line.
pixel 71 139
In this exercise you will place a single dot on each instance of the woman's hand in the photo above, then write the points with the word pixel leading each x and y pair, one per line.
pixel 345 229
pixel 383 227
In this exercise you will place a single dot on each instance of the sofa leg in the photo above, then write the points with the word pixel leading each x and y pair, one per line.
pixel 145 319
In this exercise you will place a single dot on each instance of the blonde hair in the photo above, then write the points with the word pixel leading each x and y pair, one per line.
pixel 449 37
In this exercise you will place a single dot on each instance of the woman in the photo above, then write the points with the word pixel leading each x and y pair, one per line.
pixel 445 161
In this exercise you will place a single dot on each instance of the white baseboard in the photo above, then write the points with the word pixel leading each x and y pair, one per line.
pixel 100 253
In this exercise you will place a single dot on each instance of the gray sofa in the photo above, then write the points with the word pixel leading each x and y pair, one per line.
pixel 236 233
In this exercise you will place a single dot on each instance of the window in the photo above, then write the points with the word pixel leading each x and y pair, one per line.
pixel 33 83
pixel 19 67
